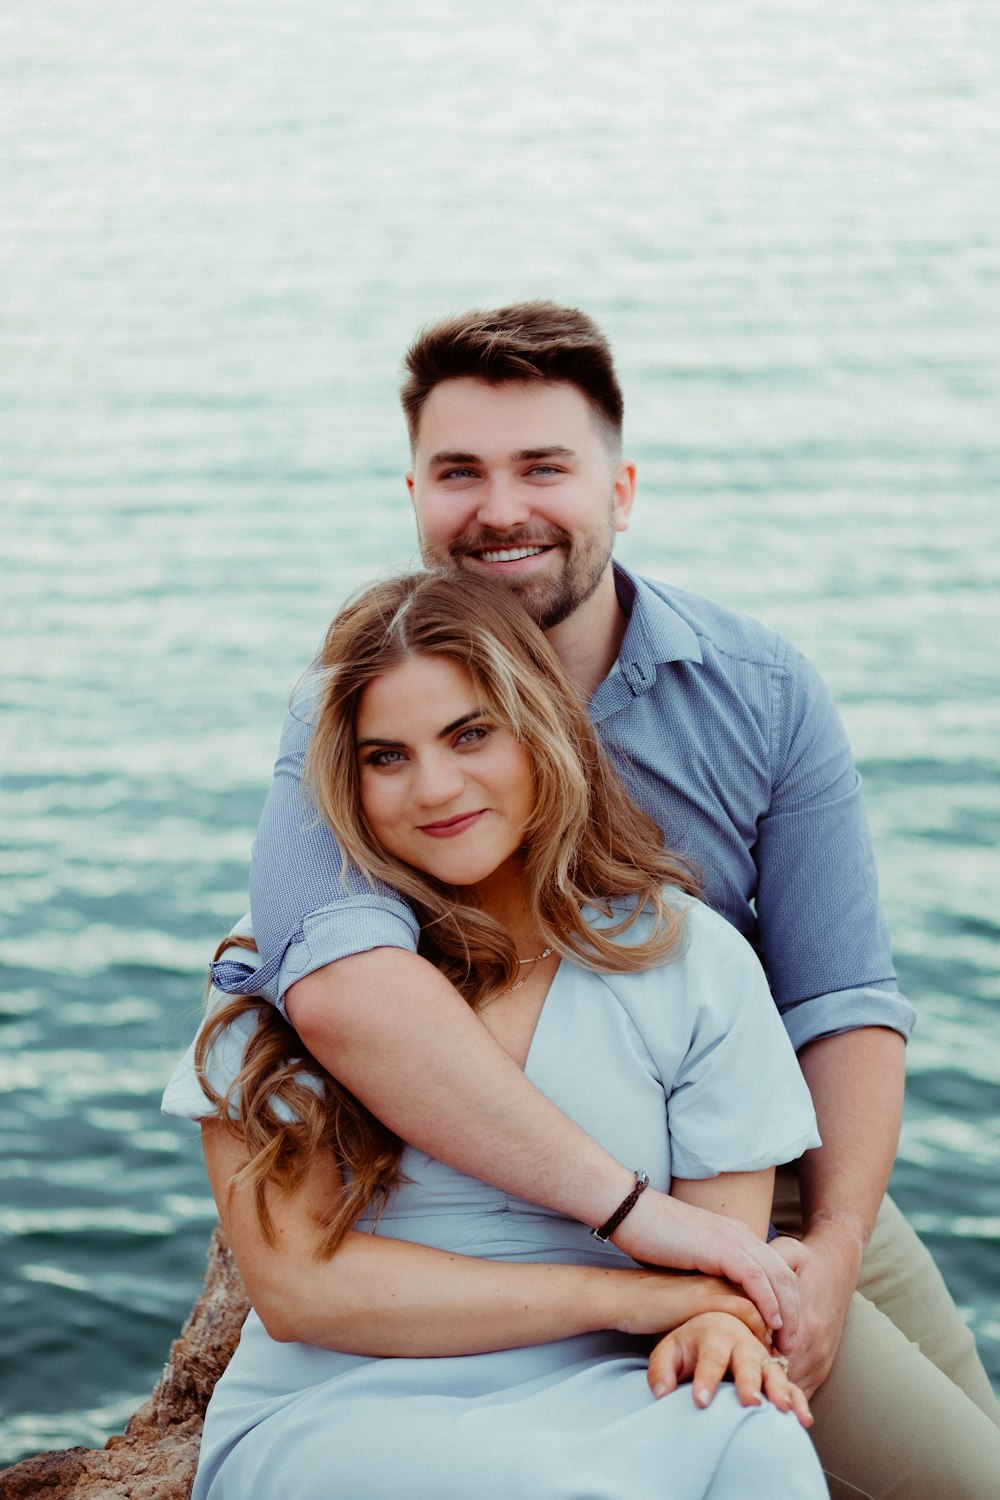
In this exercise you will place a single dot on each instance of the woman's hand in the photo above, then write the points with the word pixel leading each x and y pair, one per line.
pixel 711 1345
pixel 654 1301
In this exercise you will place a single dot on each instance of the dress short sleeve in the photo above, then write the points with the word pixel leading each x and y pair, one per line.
pixel 736 1097
pixel 739 1101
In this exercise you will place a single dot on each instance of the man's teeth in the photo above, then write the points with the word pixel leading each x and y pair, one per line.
pixel 511 554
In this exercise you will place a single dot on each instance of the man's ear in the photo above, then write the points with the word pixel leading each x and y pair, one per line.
pixel 409 485
pixel 624 494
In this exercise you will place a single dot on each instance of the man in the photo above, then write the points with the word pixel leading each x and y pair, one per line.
pixel 728 738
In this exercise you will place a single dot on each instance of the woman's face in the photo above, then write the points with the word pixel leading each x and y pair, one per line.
pixel 444 786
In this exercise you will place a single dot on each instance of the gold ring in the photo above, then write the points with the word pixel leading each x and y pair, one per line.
pixel 775 1359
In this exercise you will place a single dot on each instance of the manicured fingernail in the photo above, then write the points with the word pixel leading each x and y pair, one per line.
pixel 703 1397
pixel 659 1390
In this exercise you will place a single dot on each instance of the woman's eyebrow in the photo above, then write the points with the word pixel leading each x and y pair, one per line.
pixel 475 713
pixel 384 744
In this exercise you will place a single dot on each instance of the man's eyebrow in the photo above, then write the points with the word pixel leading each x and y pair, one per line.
pixel 554 450
pixel 523 455
pixel 452 456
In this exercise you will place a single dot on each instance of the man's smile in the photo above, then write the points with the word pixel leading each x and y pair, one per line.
pixel 509 554
pixel 482 549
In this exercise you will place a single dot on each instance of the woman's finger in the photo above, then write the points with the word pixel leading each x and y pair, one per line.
pixel 710 1367
pixel 666 1365
pixel 800 1405
pixel 781 1391
pixel 748 1375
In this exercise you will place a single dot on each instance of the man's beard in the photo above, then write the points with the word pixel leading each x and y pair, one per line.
pixel 548 598
pixel 549 601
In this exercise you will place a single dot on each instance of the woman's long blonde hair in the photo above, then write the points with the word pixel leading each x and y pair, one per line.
pixel 587 845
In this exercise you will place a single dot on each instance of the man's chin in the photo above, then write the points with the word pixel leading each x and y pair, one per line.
pixel 549 601
pixel 548 604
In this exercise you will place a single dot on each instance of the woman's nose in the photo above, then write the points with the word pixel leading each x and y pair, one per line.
pixel 439 780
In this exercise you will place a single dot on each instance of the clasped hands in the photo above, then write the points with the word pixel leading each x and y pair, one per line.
pixel 723 1336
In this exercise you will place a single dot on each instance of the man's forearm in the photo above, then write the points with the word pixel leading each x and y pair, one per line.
pixel 389 1027
pixel 393 1031
pixel 856 1081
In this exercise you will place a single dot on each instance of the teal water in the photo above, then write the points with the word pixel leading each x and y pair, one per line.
pixel 220 225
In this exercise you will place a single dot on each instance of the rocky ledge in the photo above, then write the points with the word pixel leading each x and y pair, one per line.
pixel 155 1457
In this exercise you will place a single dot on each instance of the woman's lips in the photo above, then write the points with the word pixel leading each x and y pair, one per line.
pixel 448 827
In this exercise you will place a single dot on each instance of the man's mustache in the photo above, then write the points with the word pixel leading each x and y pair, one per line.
pixel 484 540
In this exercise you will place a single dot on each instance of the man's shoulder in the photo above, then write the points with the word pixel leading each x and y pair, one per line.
pixel 717 626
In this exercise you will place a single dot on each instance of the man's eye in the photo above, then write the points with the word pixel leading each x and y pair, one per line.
pixel 456 474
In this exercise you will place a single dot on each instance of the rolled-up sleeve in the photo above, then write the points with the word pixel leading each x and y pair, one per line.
pixel 820 928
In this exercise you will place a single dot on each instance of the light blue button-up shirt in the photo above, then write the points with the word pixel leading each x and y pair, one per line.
pixel 727 736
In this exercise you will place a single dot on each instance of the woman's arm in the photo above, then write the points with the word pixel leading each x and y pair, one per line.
pixel 746 1196
pixel 379 1296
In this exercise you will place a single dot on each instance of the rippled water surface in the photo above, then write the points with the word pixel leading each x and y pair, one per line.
pixel 220 225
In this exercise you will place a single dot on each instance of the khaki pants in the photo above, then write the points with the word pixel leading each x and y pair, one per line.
pixel 907 1412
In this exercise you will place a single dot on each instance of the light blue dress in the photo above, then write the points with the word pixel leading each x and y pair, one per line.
pixel 682 1070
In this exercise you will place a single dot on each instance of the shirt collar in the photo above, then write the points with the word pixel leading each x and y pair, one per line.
pixel 655 633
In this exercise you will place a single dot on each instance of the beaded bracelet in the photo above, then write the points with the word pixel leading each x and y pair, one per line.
pixel 608 1228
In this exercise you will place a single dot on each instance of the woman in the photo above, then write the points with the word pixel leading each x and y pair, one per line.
pixel 416 1332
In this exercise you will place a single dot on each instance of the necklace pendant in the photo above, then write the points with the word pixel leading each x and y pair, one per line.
pixel 537 958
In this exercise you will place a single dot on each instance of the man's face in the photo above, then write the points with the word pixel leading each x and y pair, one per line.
pixel 518 482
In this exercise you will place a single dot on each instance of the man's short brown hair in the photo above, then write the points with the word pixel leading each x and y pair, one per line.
pixel 526 341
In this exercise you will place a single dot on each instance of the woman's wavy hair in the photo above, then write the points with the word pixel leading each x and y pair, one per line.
pixel 587 845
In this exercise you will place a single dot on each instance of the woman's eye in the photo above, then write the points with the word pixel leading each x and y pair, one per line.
pixel 385 758
pixel 472 735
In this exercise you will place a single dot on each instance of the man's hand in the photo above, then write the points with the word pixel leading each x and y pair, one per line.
pixel 664 1231
pixel 828 1264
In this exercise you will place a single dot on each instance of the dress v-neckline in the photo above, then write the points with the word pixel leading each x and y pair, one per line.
pixel 540 1019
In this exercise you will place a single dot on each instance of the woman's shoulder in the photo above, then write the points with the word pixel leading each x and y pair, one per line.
pixel 700 925
pixel 710 971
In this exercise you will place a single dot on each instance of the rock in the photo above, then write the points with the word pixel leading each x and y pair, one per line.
pixel 156 1456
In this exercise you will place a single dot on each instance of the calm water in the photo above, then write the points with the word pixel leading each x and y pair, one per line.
pixel 220 225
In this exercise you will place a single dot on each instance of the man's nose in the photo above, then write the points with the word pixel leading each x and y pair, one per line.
pixel 502 504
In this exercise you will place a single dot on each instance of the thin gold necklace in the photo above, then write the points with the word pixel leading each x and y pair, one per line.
pixel 524 977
